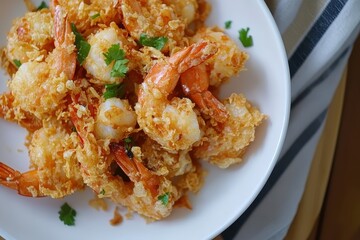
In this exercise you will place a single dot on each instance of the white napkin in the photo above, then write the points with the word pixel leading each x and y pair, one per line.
pixel 318 36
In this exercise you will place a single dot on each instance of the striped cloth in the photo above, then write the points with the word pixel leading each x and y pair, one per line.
pixel 318 37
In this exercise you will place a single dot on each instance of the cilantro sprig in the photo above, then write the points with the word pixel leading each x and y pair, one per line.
pixel 115 53
pixel 42 6
pixel 95 16
pixel 155 42
pixel 228 24
pixel 17 63
pixel 81 44
pixel 67 214
pixel 128 143
pixel 245 39
pixel 164 198
pixel 114 90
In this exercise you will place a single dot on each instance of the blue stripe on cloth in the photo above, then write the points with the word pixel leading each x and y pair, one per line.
pixel 320 79
pixel 279 169
pixel 304 49
pixel 329 14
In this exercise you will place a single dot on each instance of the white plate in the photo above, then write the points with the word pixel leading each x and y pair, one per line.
pixel 226 194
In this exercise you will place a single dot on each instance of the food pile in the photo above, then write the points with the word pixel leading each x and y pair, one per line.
pixel 120 97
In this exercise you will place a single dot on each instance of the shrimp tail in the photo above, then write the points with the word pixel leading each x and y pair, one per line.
pixel 195 84
pixel 27 184
pixel 135 170
pixel 193 55
pixel 209 105
pixel 64 42
pixel 124 162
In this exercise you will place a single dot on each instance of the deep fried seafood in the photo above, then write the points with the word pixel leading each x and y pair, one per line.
pixel 115 119
pixel 228 61
pixel 163 162
pixel 195 84
pixel 172 123
pixel 149 188
pixel 88 15
pixel 30 37
pixel 56 171
pixel 13 113
pixel 119 121
pixel 100 43
pixel 155 19
pixel 39 87
pixel 226 147
pixel 26 184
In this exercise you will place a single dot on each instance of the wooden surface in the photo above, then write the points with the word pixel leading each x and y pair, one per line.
pixel 340 216
pixel 318 178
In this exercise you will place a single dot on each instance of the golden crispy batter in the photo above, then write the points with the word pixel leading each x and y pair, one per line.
pixel 228 61
pixel 226 146
pixel 119 122
pixel 52 154
pixel 30 37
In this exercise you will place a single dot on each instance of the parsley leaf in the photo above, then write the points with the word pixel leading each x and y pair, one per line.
pixel 114 90
pixel 42 6
pixel 67 214
pixel 115 53
pixel 81 44
pixel 155 42
pixel 246 40
pixel 102 192
pixel 128 145
pixel 17 63
pixel 120 68
pixel 95 16
pixel 164 198
pixel 228 24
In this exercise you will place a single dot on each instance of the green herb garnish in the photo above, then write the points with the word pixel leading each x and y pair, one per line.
pixel 67 214
pixel 42 6
pixel 17 63
pixel 245 39
pixel 114 90
pixel 164 198
pixel 95 16
pixel 155 42
pixel 128 145
pixel 102 192
pixel 115 53
pixel 228 24
pixel 120 68
pixel 81 44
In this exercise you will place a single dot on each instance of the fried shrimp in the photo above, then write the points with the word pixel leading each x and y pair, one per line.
pixel 95 160
pixel 26 184
pixel 172 123
pixel 228 61
pixel 154 18
pixel 115 119
pixel 163 162
pixel 39 87
pixel 226 147
pixel 119 96
pixel 56 171
pixel 195 84
pixel 30 37
pixel 88 15
pixel 101 42
pixel 15 114
pixel 153 195
pixel 186 9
